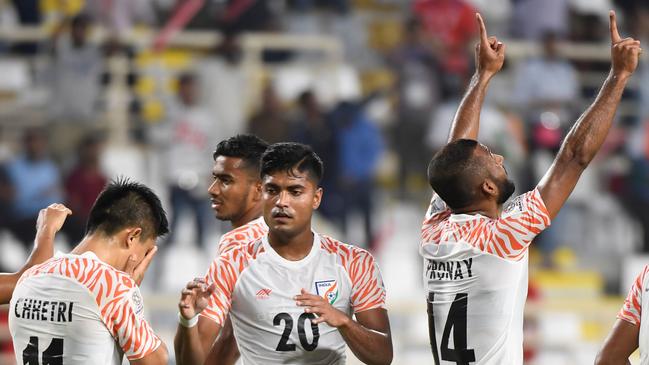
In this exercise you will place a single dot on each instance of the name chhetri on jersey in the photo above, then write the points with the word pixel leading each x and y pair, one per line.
pixel 43 310
pixel 449 270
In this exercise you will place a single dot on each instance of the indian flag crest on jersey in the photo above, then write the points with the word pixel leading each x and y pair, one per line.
pixel 327 289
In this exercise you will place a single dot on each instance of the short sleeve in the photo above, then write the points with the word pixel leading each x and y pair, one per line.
pixel 128 326
pixel 368 290
pixel 521 220
pixel 632 307
pixel 223 274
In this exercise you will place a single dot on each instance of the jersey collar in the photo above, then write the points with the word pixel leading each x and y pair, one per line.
pixel 294 264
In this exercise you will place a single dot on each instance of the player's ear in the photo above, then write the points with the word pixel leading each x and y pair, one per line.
pixel 489 188
pixel 257 191
pixel 317 198
pixel 133 236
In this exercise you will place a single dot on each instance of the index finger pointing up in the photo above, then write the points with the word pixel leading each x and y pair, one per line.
pixel 615 36
pixel 483 30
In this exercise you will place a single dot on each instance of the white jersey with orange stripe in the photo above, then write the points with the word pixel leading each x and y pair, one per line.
pixel 76 309
pixel 636 311
pixel 475 274
pixel 256 286
pixel 251 231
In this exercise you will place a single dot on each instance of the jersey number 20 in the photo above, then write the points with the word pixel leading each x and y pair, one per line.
pixel 456 321
pixel 53 355
pixel 283 344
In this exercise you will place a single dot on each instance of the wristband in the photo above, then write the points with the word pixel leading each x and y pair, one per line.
pixel 189 323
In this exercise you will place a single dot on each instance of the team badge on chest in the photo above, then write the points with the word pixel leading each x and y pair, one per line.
pixel 327 289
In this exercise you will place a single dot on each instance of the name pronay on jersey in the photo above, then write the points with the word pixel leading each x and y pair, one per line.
pixel 449 270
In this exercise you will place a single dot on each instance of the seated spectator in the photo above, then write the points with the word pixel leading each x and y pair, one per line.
pixel 269 123
pixel 82 186
pixel 35 183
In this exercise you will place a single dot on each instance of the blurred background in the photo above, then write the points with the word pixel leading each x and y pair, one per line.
pixel 90 90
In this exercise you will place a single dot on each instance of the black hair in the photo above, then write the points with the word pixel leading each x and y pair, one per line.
pixel 287 156
pixel 247 147
pixel 80 20
pixel 186 78
pixel 124 203
pixel 452 171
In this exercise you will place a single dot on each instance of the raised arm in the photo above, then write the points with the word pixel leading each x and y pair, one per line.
pixel 587 135
pixel 50 220
pixel 489 58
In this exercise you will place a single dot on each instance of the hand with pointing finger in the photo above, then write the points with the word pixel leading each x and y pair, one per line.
pixel 489 52
pixel 625 53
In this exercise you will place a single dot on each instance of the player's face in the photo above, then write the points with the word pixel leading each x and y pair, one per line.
pixel 289 200
pixel 232 189
pixel 139 246
pixel 494 164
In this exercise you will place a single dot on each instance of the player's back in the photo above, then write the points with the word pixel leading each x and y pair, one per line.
pixel 75 309
pixel 636 311
pixel 475 274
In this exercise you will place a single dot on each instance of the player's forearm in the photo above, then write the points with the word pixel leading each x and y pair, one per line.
pixel 466 123
pixel 188 347
pixel 587 135
pixel 369 346
pixel 43 248
pixel 7 285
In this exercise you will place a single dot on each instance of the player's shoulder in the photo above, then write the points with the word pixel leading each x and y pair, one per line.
pixel 346 252
pixel 243 252
pixel 524 203
pixel 88 271
pixel 250 231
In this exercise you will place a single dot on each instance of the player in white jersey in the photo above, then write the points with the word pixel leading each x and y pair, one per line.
pixel 475 250
pixel 631 330
pixel 235 194
pixel 82 307
pixel 50 220
pixel 291 295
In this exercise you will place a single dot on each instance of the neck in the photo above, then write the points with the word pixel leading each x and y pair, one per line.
pixel 248 216
pixel 293 248
pixel 488 209
pixel 104 248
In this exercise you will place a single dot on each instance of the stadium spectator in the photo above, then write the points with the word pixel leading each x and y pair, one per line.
pixel 82 186
pixel 269 122
pixel 77 69
pixel 190 128
pixel 361 147
pixel 533 18
pixel 224 87
pixel 450 27
pixel 312 126
pixel 417 96
pixel 36 183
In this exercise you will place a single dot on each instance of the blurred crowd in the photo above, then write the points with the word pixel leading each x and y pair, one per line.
pixel 375 142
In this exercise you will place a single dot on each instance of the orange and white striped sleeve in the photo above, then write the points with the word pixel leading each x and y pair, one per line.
pixel 522 220
pixel 123 313
pixel 224 272
pixel 632 307
pixel 368 290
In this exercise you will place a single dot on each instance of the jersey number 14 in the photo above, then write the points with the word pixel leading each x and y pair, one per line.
pixel 456 322
pixel 53 355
